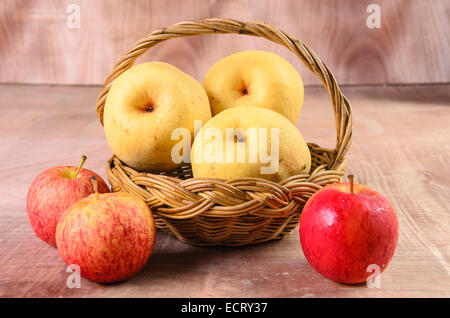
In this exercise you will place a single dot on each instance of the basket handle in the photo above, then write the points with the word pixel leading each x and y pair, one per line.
pixel 342 108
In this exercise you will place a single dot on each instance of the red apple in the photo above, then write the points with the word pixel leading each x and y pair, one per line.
pixel 109 236
pixel 346 227
pixel 53 191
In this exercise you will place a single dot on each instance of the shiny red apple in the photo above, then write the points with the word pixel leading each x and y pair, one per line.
pixel 53 191
pixel 109 236
pixel 346 227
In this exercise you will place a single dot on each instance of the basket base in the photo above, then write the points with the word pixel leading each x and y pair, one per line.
pixel 193 234
pixel 213 212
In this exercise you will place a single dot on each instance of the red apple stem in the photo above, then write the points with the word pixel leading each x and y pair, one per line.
pixel 350 178
pixel 94 183
pixel 83 159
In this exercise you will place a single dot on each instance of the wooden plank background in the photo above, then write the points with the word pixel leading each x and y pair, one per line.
pixel 412 45
pixel 400 148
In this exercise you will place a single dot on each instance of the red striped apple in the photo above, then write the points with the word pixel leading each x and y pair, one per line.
pixel 109 236
pixel 346 227
pixel 53 191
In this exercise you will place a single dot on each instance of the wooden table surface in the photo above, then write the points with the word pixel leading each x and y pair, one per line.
pixel 401 148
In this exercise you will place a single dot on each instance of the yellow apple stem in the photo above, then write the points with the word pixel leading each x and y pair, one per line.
pixel 240 136
pixel 83 159
pixel 350 178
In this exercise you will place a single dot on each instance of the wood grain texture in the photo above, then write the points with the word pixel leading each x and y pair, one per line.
pixel 412 45
pixel 400 148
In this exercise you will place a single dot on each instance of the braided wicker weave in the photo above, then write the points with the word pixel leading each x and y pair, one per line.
pixel 202 211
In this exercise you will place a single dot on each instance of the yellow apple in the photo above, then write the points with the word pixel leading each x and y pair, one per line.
pixel 258 78
pixel 145 104
pixel 247 141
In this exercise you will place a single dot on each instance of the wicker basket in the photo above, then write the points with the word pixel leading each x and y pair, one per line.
pixel 201 211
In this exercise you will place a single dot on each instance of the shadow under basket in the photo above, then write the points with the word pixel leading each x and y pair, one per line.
pixel 215 212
